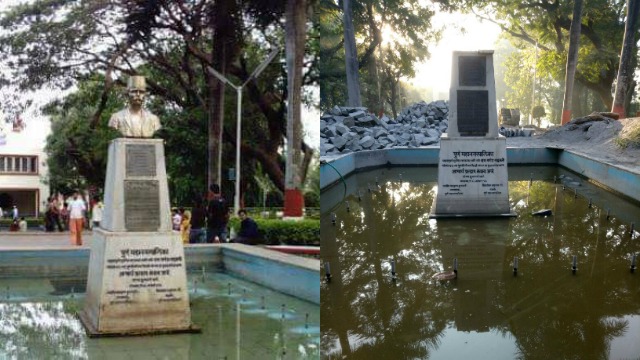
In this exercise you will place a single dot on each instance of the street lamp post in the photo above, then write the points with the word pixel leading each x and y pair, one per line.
pixel 256 72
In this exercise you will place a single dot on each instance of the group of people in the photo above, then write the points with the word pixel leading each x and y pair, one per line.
pixel 207 222
pixel 17 223
pixel 71 214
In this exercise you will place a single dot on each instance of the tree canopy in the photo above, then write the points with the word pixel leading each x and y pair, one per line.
pixel 64 43
pixel 547 23
pixel 381 63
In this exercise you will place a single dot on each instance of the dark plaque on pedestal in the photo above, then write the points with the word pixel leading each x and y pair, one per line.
pixel 473 112
pixel 141 160
pixel 141 205
pixel 472 71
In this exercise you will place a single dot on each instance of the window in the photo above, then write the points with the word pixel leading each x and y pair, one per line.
pixel 19 164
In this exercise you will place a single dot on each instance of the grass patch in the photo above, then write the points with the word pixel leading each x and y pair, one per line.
pixel 630 135
pixel 285 232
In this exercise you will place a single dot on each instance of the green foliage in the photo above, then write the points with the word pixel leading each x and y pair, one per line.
pixel 77 153
pixel 518 78
pixel 547 23
pixel 285 232
pixel 65 43
pixel 31 222
pixel 538 112
pixel 382 62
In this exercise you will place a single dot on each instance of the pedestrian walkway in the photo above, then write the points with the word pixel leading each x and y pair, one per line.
pixel 41 240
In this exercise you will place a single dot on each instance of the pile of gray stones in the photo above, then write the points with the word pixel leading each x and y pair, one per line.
pixel 348 129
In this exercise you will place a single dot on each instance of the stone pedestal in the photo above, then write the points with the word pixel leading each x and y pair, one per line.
pixel 472 167
pixel 472 178
pixel 137 281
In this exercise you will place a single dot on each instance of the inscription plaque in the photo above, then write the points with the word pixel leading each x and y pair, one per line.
pixel 473 112
pixel 141 160
pixel 472 70
pixel 141 205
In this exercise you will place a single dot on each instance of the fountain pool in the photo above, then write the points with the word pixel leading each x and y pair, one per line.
pixel 487 312
pixel 250 303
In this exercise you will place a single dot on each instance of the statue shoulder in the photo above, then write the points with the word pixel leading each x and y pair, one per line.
pixel 118 116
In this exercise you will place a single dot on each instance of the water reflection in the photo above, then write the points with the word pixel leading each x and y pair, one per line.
pixel 39 321
pixel 544 310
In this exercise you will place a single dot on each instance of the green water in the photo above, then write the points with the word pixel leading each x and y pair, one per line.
pixel 38 321
pixel 545 312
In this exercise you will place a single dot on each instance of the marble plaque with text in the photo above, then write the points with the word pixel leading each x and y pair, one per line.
pixel 141 160
pixel 136 283
pixel 473 112
pixel 472 71
pixel 472 177
pixel 141 205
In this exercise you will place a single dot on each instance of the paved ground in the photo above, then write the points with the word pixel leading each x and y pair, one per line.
pixel 39 240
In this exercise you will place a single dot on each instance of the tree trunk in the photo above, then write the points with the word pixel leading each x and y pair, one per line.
pixel 215 118
pixel 295 26
pixel 223 28
pixel 572 60
pixel 351 57
pixel 394 98
pixel 625 69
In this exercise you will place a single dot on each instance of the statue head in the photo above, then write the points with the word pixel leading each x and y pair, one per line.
pixel 136 89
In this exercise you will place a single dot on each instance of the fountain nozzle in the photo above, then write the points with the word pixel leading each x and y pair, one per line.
pixel 327 271
pixel 393 270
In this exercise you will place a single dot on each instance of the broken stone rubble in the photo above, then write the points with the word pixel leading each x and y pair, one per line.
pixel 348 129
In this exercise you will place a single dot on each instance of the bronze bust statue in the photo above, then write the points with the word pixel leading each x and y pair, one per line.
pixel 134 121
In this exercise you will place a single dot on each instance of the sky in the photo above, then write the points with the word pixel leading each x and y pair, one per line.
pixel 436 72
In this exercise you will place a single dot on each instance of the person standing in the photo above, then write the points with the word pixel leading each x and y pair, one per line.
pixel 64 215
pixel 77 209
pixel 197 234
pixel 55 212
pixel 176 220
pixel 14 213
pixel 217 216
pixel 185 226
pixel 96 212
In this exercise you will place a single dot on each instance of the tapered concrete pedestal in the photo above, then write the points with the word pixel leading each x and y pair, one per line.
pixel 137 282
pixel 472 166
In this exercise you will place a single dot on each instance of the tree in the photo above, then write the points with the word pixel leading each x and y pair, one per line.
pixel 624 81
pixel 548 24
pixel 351 56
pixel 295 26
pixel 537 113
pixel 410 21
pixel 62 42
pixel 572 59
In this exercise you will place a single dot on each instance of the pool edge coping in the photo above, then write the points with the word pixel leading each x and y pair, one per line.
pixel 596 169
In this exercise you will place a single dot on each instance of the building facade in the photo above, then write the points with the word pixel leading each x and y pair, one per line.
pixel 23 170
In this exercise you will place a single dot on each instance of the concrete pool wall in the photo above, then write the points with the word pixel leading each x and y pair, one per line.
pixel 292 275
pixel 618 179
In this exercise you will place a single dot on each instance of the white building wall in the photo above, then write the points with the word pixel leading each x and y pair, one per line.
pixel 28 142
